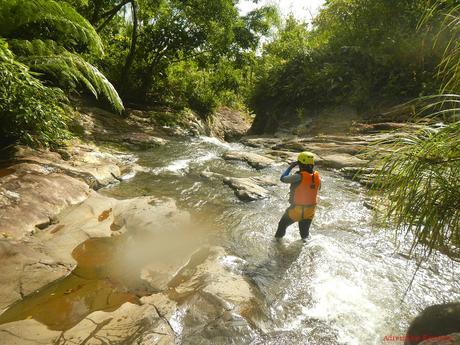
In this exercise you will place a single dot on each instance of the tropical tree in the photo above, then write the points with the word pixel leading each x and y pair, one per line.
pixel 53 39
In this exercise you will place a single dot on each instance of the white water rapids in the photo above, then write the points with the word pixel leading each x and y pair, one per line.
pixel 345 286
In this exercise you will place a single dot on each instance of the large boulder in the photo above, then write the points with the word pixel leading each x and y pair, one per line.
pixel 253 159
pixel 439 320
pixel 249 188
pixel 229 124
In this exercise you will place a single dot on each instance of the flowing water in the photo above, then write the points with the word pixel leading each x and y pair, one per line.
pixel 344 286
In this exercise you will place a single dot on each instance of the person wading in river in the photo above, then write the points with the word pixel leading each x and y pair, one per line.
pixel 305 184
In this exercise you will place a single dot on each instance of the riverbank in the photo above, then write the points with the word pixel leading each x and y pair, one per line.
pixel 77 240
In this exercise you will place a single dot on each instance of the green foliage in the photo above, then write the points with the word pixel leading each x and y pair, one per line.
pixel 47 36
pixel 183 48
pixel 67 70
pixel 420 179
pixel 203 90
pixel 359 52
pixel 420 176
pixel 48 19
pixel 30 112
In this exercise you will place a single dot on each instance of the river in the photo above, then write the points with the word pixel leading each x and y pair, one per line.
pixel 346 285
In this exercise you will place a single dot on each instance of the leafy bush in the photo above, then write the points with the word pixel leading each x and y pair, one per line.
pixel 30 112
pixel 420 175
pixel 359 52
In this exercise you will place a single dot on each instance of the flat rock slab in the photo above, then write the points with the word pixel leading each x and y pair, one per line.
pixel 261 142
pixel 288 156
pixel 253 159
pixel 342 160
pixel 247 188
pixel 31 196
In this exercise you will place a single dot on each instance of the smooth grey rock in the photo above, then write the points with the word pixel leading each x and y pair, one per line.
pixel 253 159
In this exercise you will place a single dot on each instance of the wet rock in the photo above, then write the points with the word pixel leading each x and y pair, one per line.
pixel 228 124
pixel 286 156
pixel 131 323
pixel 246 188
pixel 261 142
pixel 207 297
pixel 253 159
pixel 341 160
pixel 99 215
pixel 211 175
pixel 291 145
pixel 88 163
pixel 40 184
pixel 29 198
pixel 249 188
pixel 214 300
pixel 25 269
pixel 436 320
pixel 386 126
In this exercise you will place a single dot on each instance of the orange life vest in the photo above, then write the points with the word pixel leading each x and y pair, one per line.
pixel 306 192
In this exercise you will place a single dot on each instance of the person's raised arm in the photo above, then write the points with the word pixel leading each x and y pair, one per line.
pixel 289 179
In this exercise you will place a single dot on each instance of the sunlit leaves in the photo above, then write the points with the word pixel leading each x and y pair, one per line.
pixel 29 111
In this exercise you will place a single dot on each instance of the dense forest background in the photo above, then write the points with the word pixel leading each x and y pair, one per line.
pixel 203 54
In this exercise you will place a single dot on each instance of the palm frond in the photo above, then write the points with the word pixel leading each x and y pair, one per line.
pixel 449 67
pixel 419 173
pixel 48 19
pixel 420 178
pixel 67 70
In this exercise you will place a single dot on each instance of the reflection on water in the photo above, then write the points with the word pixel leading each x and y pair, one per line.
pixel 91 286
pixel 344 286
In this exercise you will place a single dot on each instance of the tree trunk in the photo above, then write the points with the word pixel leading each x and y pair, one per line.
pixel 110 14
pixel 132 49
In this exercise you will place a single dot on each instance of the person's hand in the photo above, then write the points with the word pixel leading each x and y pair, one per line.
pixel 293 164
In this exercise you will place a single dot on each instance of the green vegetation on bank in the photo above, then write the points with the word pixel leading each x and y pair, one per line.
pixel 29 110
pixel 363 53
pixel 196 54
pixel 420 177
pixel 199 54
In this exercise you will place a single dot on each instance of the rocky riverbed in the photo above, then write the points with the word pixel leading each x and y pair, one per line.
pixel 84 265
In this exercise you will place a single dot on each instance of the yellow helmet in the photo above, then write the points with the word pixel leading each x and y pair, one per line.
pixel 306 158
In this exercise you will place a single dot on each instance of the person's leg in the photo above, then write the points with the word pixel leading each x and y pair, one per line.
pixel 304 228
pixel 285 221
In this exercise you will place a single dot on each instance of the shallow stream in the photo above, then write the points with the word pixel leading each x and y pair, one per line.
pixel 346 285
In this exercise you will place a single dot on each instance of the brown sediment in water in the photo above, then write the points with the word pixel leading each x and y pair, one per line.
pixel 93 285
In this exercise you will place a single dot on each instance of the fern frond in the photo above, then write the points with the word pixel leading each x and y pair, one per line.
pixel 67 70
pixel 48 19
